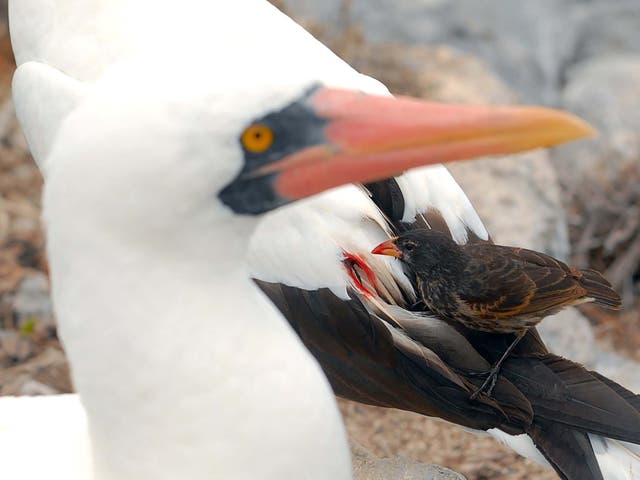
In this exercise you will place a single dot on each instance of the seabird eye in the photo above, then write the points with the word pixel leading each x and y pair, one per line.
pixel 410 247
pixel 257 138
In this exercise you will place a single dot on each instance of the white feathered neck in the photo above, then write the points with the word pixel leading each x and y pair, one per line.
pixel 184 368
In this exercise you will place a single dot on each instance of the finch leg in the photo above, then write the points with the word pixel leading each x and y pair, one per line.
pixel 492 375
pixel 419 305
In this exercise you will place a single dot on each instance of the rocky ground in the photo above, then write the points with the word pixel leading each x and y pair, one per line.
pixel 579 202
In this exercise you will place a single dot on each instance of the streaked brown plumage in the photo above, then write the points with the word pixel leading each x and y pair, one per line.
pixel 494 288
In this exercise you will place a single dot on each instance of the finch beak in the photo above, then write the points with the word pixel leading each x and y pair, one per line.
pixel 388 248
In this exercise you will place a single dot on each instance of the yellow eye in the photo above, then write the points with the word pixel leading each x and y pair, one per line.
pixel 257 138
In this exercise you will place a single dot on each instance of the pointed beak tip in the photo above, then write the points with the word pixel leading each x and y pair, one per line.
pixel 548 127
pixel 577 127
pixel 387 248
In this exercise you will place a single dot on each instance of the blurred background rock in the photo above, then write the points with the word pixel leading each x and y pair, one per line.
pixel 580 202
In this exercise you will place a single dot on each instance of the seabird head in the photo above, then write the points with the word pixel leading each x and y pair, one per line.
pixel 176 143
pixel 243 108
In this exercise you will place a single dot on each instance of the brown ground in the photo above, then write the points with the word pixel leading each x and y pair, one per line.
pixel 31 359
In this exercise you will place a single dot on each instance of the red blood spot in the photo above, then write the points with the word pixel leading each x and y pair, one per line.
pixel 351 260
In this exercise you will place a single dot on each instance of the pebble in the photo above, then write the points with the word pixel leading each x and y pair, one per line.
pixel 14 347
pixel 367 466
pixel 32 301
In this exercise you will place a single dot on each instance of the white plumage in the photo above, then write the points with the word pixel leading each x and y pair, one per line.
pixel 44 437
pixel 168 339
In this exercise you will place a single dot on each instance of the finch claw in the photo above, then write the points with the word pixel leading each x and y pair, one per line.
pixel 489 383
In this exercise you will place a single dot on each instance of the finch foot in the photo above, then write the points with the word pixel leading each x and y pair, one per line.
pixel 489 383
pixel 492 374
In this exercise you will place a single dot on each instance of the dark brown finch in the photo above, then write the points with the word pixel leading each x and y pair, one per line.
pixel 494 288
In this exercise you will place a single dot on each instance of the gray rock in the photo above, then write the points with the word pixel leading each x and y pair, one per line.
pixel 606 28
pixel 367 466
pixel 32 387
pixel 569 334
pixel 528 54
pixel 530 44
pixel 32 301
pixel 606 92
pixel 620 369
pixel 518 198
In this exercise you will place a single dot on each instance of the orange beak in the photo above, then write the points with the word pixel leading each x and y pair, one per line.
pixel 368 138
pixel 388 248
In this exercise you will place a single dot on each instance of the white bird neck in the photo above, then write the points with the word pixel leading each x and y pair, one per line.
pixel 184 368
